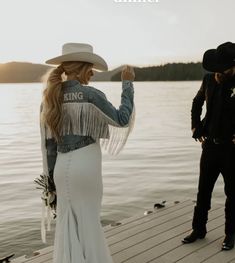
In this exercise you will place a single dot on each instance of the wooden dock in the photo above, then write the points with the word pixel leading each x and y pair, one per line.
pixel 156 238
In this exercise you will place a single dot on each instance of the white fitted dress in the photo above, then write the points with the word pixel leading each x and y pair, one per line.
pixel 79 236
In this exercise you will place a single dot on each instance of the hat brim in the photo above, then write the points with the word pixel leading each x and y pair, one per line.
pixel 211 62
pixel 97 61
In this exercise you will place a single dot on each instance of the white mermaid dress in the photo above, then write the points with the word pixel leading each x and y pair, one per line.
pixel 79 236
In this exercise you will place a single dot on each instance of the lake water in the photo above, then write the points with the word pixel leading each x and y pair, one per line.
pixel 160 160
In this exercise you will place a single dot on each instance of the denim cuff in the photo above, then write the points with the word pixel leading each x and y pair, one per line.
pixel 127 84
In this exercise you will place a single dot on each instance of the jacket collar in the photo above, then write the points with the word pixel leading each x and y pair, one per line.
pixel 70 83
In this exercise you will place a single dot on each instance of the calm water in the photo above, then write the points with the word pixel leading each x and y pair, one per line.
pixel 159 162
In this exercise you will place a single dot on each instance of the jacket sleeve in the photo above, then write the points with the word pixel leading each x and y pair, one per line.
pixel 197 105
pixel 51 147
pixel 49 154
pixel 122 115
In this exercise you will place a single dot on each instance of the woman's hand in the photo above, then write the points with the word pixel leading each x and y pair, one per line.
pixel 128 73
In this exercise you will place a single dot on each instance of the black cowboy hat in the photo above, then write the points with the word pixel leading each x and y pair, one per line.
pixel 219 59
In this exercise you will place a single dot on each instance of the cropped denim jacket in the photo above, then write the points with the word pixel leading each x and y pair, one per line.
pixel 87 117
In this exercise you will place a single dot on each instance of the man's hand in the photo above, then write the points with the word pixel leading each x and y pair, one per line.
pixel 202 138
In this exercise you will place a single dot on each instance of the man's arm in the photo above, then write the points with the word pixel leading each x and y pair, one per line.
pixel 196 111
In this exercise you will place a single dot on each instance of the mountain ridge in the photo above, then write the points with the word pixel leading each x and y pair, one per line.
pixel 26 72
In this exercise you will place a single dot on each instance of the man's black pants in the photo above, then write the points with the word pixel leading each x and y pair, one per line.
pixel 215 159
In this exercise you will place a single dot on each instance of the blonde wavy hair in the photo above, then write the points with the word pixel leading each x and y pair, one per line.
pixel 52 100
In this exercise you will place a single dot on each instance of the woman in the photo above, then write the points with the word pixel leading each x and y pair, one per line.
pixel 74 117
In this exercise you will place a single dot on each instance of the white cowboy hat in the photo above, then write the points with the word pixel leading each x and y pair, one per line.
pixel 79 52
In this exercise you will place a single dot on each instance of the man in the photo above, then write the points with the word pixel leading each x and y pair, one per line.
pixel 216 132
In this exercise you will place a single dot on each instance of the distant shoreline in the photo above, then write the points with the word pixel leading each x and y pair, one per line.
pixel 24 72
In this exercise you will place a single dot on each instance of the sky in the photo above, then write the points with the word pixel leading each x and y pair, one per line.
pixel 135 33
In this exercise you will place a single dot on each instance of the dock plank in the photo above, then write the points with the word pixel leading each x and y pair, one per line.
pixel 20 259
pixel 151 249
pixel 175 228
pixel 222 256
pixel 44 254
pixel 156 238
pixel 141 218
pixel 203 249
pixel 166 228
pixel 150 224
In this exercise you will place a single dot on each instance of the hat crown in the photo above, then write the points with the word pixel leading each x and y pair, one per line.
pixel 81 52
pixel 220 59
pixel 69 48
pixel 226 51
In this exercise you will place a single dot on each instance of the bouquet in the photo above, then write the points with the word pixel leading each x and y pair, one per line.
pixel 46 184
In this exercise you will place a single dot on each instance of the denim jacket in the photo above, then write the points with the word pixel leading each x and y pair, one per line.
pixel 87 117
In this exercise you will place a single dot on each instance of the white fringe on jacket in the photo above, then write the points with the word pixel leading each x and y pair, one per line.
pixel 46 210
pixel 88 120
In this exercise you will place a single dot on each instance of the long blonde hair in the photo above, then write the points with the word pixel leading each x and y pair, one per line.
pixel 52 101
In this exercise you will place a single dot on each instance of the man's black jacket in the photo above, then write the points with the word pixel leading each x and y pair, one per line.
pixel 206 93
